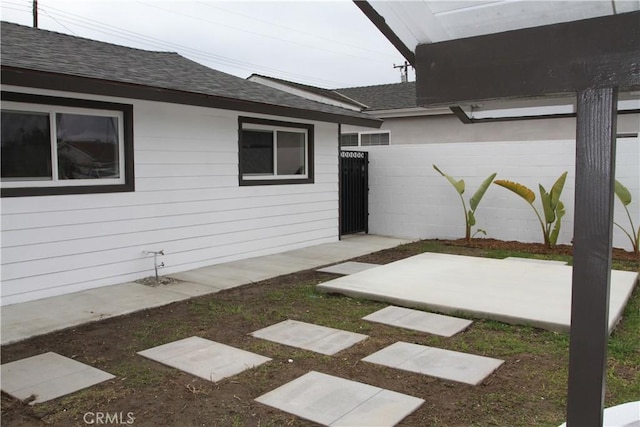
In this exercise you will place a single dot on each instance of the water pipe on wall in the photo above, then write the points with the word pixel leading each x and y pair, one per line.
pixel 155 260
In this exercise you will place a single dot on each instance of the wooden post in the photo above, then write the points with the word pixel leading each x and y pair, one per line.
pixel 593 228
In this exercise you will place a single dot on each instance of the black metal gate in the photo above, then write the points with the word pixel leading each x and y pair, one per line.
pixel 354 192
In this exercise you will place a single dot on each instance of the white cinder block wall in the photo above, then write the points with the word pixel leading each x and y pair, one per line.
pixel 187 202
pixel 408 198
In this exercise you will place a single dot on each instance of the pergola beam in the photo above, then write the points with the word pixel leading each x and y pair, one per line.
pixel 532 62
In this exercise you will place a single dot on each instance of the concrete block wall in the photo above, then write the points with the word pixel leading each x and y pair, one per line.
pixel 408 198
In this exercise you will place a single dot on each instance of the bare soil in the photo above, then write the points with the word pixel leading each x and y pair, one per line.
pixel 529 389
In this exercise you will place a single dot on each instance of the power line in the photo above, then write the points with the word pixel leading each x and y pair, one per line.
pixel 257 33
pixel 97 26
pixel 334 41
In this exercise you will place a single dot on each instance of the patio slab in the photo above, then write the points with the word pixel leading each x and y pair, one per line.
pixel 436 362
pixel 624 415
pixel 535 261
pixel 307 336
pixel 333 401
pixel 203 358
pixel 349 267
pixel 510 291
pixel 417 320
pixel 48 376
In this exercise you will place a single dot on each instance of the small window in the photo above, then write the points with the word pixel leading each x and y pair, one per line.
pixel 367 139
pixel 274 152
pixel 64 146
pixel 349 140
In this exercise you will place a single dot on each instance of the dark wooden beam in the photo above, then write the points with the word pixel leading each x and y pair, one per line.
pixel 592 237
pixel 384 28
pixel 549 60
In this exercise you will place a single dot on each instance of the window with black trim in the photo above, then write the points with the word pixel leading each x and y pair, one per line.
pixel 275 152
pixel 54 145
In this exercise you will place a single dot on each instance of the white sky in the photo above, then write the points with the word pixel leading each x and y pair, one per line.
pixel 329 44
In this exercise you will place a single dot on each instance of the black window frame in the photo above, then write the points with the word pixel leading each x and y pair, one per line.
pixel 127 114
pixel 309 128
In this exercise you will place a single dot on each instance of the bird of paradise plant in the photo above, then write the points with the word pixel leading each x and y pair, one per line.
pixel 624 196
pixel 469 214
pixel 553 208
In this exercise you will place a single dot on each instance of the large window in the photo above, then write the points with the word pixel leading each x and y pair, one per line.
pixel 274 152
pixel 364 139
pixel 64 146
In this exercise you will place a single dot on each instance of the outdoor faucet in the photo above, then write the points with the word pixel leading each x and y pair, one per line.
pixel 155 260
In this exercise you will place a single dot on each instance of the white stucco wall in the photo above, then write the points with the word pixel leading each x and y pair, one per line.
pixel 409 199
pixel 187 202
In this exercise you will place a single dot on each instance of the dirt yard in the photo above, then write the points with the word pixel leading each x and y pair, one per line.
pixel 529 389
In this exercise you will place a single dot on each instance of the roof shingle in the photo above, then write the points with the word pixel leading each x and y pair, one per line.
pixel 46 51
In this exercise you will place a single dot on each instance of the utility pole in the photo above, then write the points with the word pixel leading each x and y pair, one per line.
pixel 35 13
pixel 404 71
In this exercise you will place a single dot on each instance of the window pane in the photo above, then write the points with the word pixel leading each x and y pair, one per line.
pixel 374 139
pixel 291 153
pixel 26 146
pixel 87 146
pixel 349 140
pixel 257 152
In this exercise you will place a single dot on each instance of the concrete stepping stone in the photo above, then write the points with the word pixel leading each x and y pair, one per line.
pixel 349 267
pixel 48 376
pixel 307 336
pixel 535 261
pixel 203 358
pixel 333 401
pixel 436 362
pixel 417 320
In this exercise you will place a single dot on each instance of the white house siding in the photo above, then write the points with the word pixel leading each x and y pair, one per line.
pixel 187 202
pixel 408 198
pixel 448 128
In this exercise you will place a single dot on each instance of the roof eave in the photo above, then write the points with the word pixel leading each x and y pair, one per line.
pixel 55 81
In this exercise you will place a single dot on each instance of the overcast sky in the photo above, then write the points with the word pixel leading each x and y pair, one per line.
pixel 329 44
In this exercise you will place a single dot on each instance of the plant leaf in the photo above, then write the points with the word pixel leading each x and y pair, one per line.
pixel 556 190
pixel 471 218
pixel 623 193
pixel 458 185
pixel 475 200
pixel 519 189
pixel 553 238
pixel 549 214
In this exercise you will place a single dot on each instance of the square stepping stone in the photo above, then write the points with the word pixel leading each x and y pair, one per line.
pixel 48 376
pixel 445 364
pixel 203 358
pixel 307 336
pixel 349 267
pixel 333 401
pixel 417 320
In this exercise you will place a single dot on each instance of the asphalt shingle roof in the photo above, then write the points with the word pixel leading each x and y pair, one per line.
pixel 327 93
pixel 383 97
pixel 47 51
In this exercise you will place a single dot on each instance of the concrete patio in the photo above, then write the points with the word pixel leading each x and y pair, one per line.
pixel 529 293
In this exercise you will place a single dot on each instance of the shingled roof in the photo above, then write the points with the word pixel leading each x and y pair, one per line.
pixel 66 61
pixel 327 93
pixel 383 97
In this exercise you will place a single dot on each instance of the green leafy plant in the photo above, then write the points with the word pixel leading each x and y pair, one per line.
pixel 624 196
pixel 469 214
pixel 553 208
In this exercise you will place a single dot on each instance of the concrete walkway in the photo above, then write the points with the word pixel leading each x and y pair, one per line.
pixel 25 320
